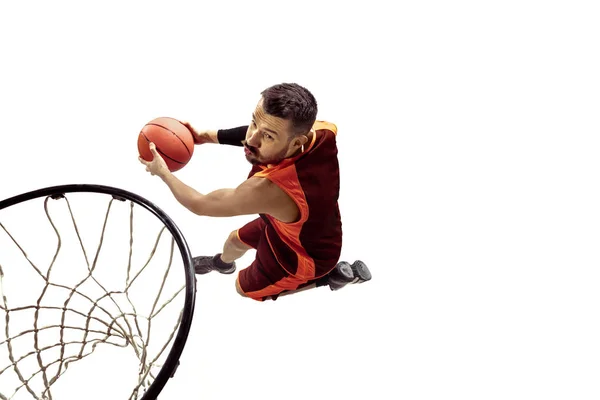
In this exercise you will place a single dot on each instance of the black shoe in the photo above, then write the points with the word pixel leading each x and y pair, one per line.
pixel 205 264
pixel 344 274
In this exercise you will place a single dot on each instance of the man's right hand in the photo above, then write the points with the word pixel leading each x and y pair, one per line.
pixel 202 137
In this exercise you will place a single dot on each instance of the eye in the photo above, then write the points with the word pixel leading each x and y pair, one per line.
pixel 268 136
pixel 253 123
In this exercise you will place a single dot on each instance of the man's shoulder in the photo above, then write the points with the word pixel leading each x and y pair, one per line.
pixel 273 199
pixel 262 187
pixel 325 126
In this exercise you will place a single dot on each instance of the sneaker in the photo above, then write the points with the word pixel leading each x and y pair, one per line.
pixel 344 274
pixel 205 264
pixel 361 272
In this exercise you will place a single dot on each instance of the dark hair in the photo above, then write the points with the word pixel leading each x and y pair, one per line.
pixel 292 102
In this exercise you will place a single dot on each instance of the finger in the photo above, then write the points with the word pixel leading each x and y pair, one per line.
pixel 153 148
pixel 189 126
pixel 143 161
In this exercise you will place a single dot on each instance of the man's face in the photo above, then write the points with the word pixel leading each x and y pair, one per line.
pixel 269 139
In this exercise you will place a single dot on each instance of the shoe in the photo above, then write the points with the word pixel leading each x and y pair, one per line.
pixel 344 274
pixel 205 264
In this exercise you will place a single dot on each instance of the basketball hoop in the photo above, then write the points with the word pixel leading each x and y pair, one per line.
pixel 60 305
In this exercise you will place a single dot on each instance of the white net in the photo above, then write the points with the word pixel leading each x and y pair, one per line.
pixel 78 273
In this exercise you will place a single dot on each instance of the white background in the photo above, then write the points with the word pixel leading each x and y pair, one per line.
pixel 468 139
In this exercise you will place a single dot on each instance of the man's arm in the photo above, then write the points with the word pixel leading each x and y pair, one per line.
pixel 253 196
pixel 233 136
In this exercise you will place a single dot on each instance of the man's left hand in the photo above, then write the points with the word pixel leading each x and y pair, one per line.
pixel 157 166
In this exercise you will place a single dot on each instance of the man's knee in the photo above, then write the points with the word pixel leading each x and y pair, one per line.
pixel 234 240
pixel 239 289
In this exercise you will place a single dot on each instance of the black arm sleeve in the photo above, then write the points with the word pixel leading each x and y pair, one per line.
pixel 233 137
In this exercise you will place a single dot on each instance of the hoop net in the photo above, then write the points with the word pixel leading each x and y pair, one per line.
pixel 68 289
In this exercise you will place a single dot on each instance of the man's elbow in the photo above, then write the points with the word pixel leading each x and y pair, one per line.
pixel 196 205
pixel 212 209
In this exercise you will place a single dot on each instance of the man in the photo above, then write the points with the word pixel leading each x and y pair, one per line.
pixel 293 186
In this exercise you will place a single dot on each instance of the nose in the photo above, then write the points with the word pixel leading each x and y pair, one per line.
pixel 253 140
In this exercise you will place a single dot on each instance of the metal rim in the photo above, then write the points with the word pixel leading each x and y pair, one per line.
pixel 171 362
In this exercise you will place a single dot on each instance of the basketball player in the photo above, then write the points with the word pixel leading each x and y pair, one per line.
pixel 293 186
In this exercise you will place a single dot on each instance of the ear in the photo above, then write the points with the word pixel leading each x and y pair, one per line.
pixel 300 141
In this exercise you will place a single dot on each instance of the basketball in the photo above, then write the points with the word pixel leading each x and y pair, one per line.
pixel 174 142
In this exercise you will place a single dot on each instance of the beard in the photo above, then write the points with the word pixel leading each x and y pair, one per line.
pixel 254 157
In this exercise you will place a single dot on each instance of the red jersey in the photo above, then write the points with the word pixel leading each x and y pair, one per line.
pixel 309 247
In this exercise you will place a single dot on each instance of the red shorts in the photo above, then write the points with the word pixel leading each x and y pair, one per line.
pixel 265 277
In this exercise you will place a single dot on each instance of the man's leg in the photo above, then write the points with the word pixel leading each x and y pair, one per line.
pixel 301 289
pixel 224 262
pixel 342 275
pixel 236 245
pixel 233 248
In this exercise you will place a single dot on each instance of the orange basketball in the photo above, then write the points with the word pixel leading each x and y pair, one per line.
pixel 174 142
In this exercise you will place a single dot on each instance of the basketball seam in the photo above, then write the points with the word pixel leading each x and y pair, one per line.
pixel 161 153
pixel 177 136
